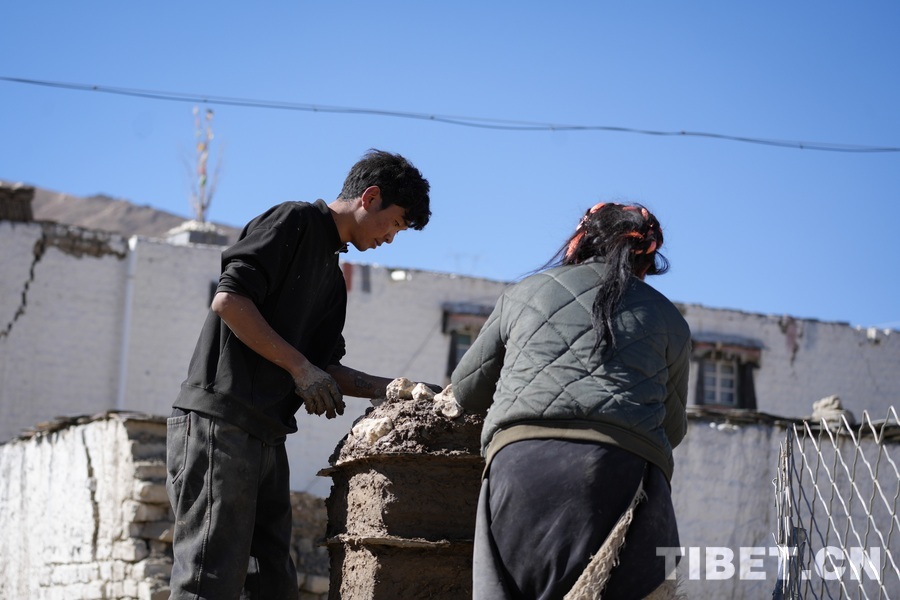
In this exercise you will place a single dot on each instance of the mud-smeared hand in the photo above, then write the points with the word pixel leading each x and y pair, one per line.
pixel 320 392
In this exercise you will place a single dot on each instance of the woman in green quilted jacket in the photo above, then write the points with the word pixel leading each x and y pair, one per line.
pixel 582 370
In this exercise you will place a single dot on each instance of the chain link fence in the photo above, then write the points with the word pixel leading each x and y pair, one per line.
pixel 836 500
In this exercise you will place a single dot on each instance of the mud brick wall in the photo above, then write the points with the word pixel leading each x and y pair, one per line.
pixel 84 514
pixel 401 513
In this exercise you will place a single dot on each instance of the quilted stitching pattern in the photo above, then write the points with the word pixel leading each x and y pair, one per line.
pixel 534 359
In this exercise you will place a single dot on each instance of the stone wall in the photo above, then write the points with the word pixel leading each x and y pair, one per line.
pixel 84 514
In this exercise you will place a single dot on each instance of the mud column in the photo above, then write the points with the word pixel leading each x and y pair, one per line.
pixel 401 513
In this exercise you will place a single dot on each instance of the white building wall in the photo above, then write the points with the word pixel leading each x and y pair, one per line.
pixel 117 330
pixel 170 300
pixel 723 496
pixel 64 352
pixel 393 330
pixel 806 360
pixel 60 321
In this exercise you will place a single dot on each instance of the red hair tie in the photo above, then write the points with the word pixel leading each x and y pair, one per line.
pixel 640 236
pixel 579 231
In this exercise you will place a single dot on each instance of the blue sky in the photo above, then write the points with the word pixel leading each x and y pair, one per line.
pixel 752 227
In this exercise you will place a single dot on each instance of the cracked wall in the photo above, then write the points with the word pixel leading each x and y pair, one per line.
pixel 91 321
pixel 101 333
pixel 68 240
pixel 805 360
pixel 60 311
pixel 84 514
pixel 93 329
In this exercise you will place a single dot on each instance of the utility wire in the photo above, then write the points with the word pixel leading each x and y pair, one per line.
pixel 478 122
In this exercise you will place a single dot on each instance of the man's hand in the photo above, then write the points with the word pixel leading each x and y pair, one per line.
pixel 319 391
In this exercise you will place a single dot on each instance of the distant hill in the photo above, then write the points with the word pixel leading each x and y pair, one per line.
pixel 109 214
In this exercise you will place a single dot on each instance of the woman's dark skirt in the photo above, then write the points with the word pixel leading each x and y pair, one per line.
pixel 546 506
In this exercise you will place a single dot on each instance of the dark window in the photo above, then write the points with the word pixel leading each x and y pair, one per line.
pixel 462 322
pixel 725 366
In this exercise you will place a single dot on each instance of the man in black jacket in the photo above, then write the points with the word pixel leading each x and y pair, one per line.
pixel 271 342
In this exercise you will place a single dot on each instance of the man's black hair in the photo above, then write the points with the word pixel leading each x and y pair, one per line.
pixel 400 182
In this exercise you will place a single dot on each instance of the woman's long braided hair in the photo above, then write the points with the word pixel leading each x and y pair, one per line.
pixel 627 237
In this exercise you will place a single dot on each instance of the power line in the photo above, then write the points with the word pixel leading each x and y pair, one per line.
pixel 478 122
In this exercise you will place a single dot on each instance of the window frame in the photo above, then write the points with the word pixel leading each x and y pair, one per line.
pixel 716 374
pixel 742 355
pixel 462 320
